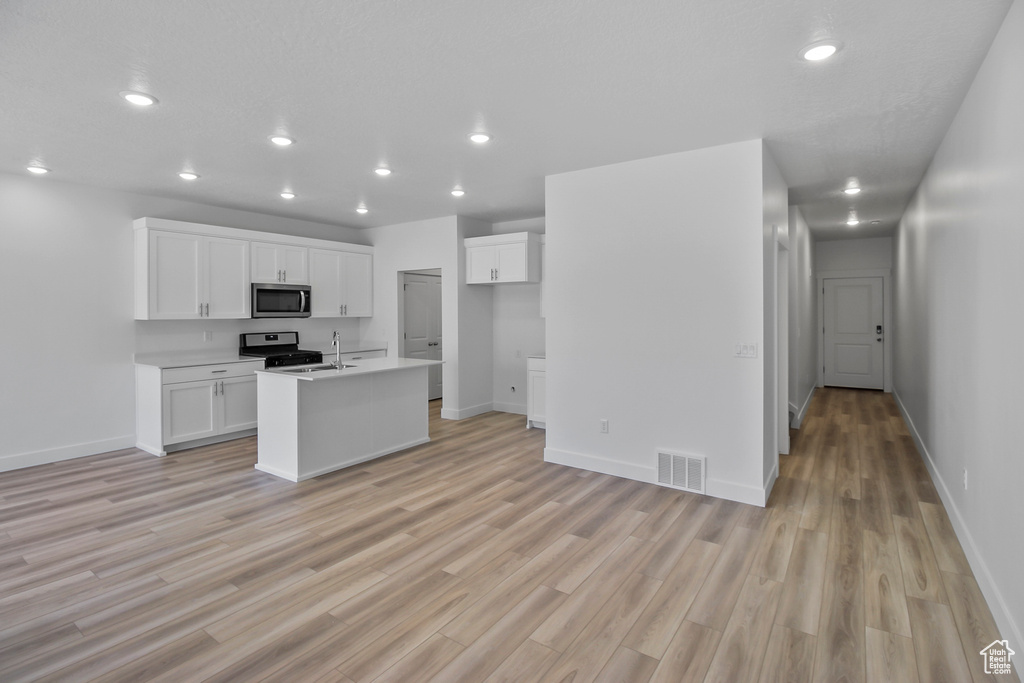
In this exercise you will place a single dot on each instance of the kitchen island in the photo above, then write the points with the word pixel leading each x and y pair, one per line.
pixel 318 421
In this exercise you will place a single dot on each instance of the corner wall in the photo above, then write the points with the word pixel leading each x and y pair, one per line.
pixel 803 316
pixel 958 317
pixel 655 274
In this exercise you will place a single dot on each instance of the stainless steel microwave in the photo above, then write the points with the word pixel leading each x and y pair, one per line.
pixel 270 300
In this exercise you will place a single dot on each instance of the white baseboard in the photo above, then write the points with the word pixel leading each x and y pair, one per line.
pixel 715 488
pixel 78 450
pixel 514 408
pixel 463 413
pixel 800 412
pixel 993 596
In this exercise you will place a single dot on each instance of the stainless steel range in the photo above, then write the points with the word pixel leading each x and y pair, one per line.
pixel 279 348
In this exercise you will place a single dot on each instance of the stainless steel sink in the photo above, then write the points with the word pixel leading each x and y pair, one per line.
pixel 317 368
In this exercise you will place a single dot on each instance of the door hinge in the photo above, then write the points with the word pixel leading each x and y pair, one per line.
pixel 405 287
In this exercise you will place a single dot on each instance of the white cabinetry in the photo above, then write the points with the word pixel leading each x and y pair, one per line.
pixel 201 403
pixel 536 392
pixel 279 263
pixel 342 283
pixel 494 259
pixel 185 276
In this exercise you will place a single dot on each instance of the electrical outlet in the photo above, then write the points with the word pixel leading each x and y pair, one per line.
pixel 207 335
pixel 745 350
pixel 965 479
pixel 519 353
pixel 604 426
pixel 513 390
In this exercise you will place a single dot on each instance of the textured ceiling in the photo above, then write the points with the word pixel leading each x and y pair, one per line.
pixel 562 85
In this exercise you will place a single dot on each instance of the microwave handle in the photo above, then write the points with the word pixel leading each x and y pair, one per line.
pixel 302 298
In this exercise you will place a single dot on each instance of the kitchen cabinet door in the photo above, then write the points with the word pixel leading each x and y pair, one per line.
pixel 227 277
pixel 189 411
pixel 358 293
pixel 238 399
pixel 325 283
pixel 342 283
pixel 510 260
pixel 279 263
pixel 176 263
pixel 480 265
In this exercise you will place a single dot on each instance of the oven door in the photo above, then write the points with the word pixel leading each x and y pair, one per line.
pixel 280 301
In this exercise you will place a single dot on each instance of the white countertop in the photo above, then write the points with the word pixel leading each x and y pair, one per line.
pixel 361 367
pixel 180 359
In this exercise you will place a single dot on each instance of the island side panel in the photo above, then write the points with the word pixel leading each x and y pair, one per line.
pixel 278 437
pixel 335 417
pixel 400 415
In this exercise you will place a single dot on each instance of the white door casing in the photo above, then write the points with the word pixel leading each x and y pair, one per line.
pixel 422 313
pixel 854 332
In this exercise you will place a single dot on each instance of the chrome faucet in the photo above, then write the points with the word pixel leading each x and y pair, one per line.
pixel 336 345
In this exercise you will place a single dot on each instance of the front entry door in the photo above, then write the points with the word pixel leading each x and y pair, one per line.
pixel 854 335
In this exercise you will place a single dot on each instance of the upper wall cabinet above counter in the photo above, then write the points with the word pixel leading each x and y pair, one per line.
pixel 279 263
pixel 497 259
pixel 189 271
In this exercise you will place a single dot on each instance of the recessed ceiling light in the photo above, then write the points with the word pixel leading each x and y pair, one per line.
pixel 875 222
pixel 140 99
pixel 38 170
pixel 480 138
pixel 362 209
pixel 823 49
pixel 382 171
pixel 458 192
pixel 188 175
pixel 287 195
pixel 852 222
pixel 852 190
pixel 281 140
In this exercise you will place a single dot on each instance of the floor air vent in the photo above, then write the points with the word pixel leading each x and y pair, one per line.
pixel 681 471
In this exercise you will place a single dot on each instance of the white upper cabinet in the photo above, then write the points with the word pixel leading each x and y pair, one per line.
pixel 494 259
pixel 188 270
pixel 184 276
pixel 342 283
pixel 279 263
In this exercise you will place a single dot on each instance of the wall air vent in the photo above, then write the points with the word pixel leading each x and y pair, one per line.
pixel 681 471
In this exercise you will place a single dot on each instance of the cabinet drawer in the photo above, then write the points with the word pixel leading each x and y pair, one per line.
pixel 218 371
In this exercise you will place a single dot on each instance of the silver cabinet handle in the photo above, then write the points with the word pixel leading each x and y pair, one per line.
pixel 284 276
pixel 339 310
pixel 200 310
pixel 346 309
pixel 207 310
pixel 214 388
pixel 216 371
pixel 222 388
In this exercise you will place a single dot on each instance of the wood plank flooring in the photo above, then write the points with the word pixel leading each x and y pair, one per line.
pixel 470 559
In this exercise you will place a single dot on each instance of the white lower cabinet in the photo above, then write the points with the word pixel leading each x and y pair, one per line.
pixel 536 392
pixel 201 403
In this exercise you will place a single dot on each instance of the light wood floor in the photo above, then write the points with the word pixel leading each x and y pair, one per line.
pixel 470 559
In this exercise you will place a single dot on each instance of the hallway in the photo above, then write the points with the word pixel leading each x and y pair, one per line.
pixel 898 593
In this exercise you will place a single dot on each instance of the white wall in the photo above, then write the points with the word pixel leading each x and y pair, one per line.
pixel 68 329
pixel 803 327
pixel 655 273
pixel 465 311
pixel 518 329
pixel 874 253
pixel 958 321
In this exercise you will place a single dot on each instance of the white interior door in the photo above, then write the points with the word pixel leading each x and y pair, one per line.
pixel 854 339
pixel 423 324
